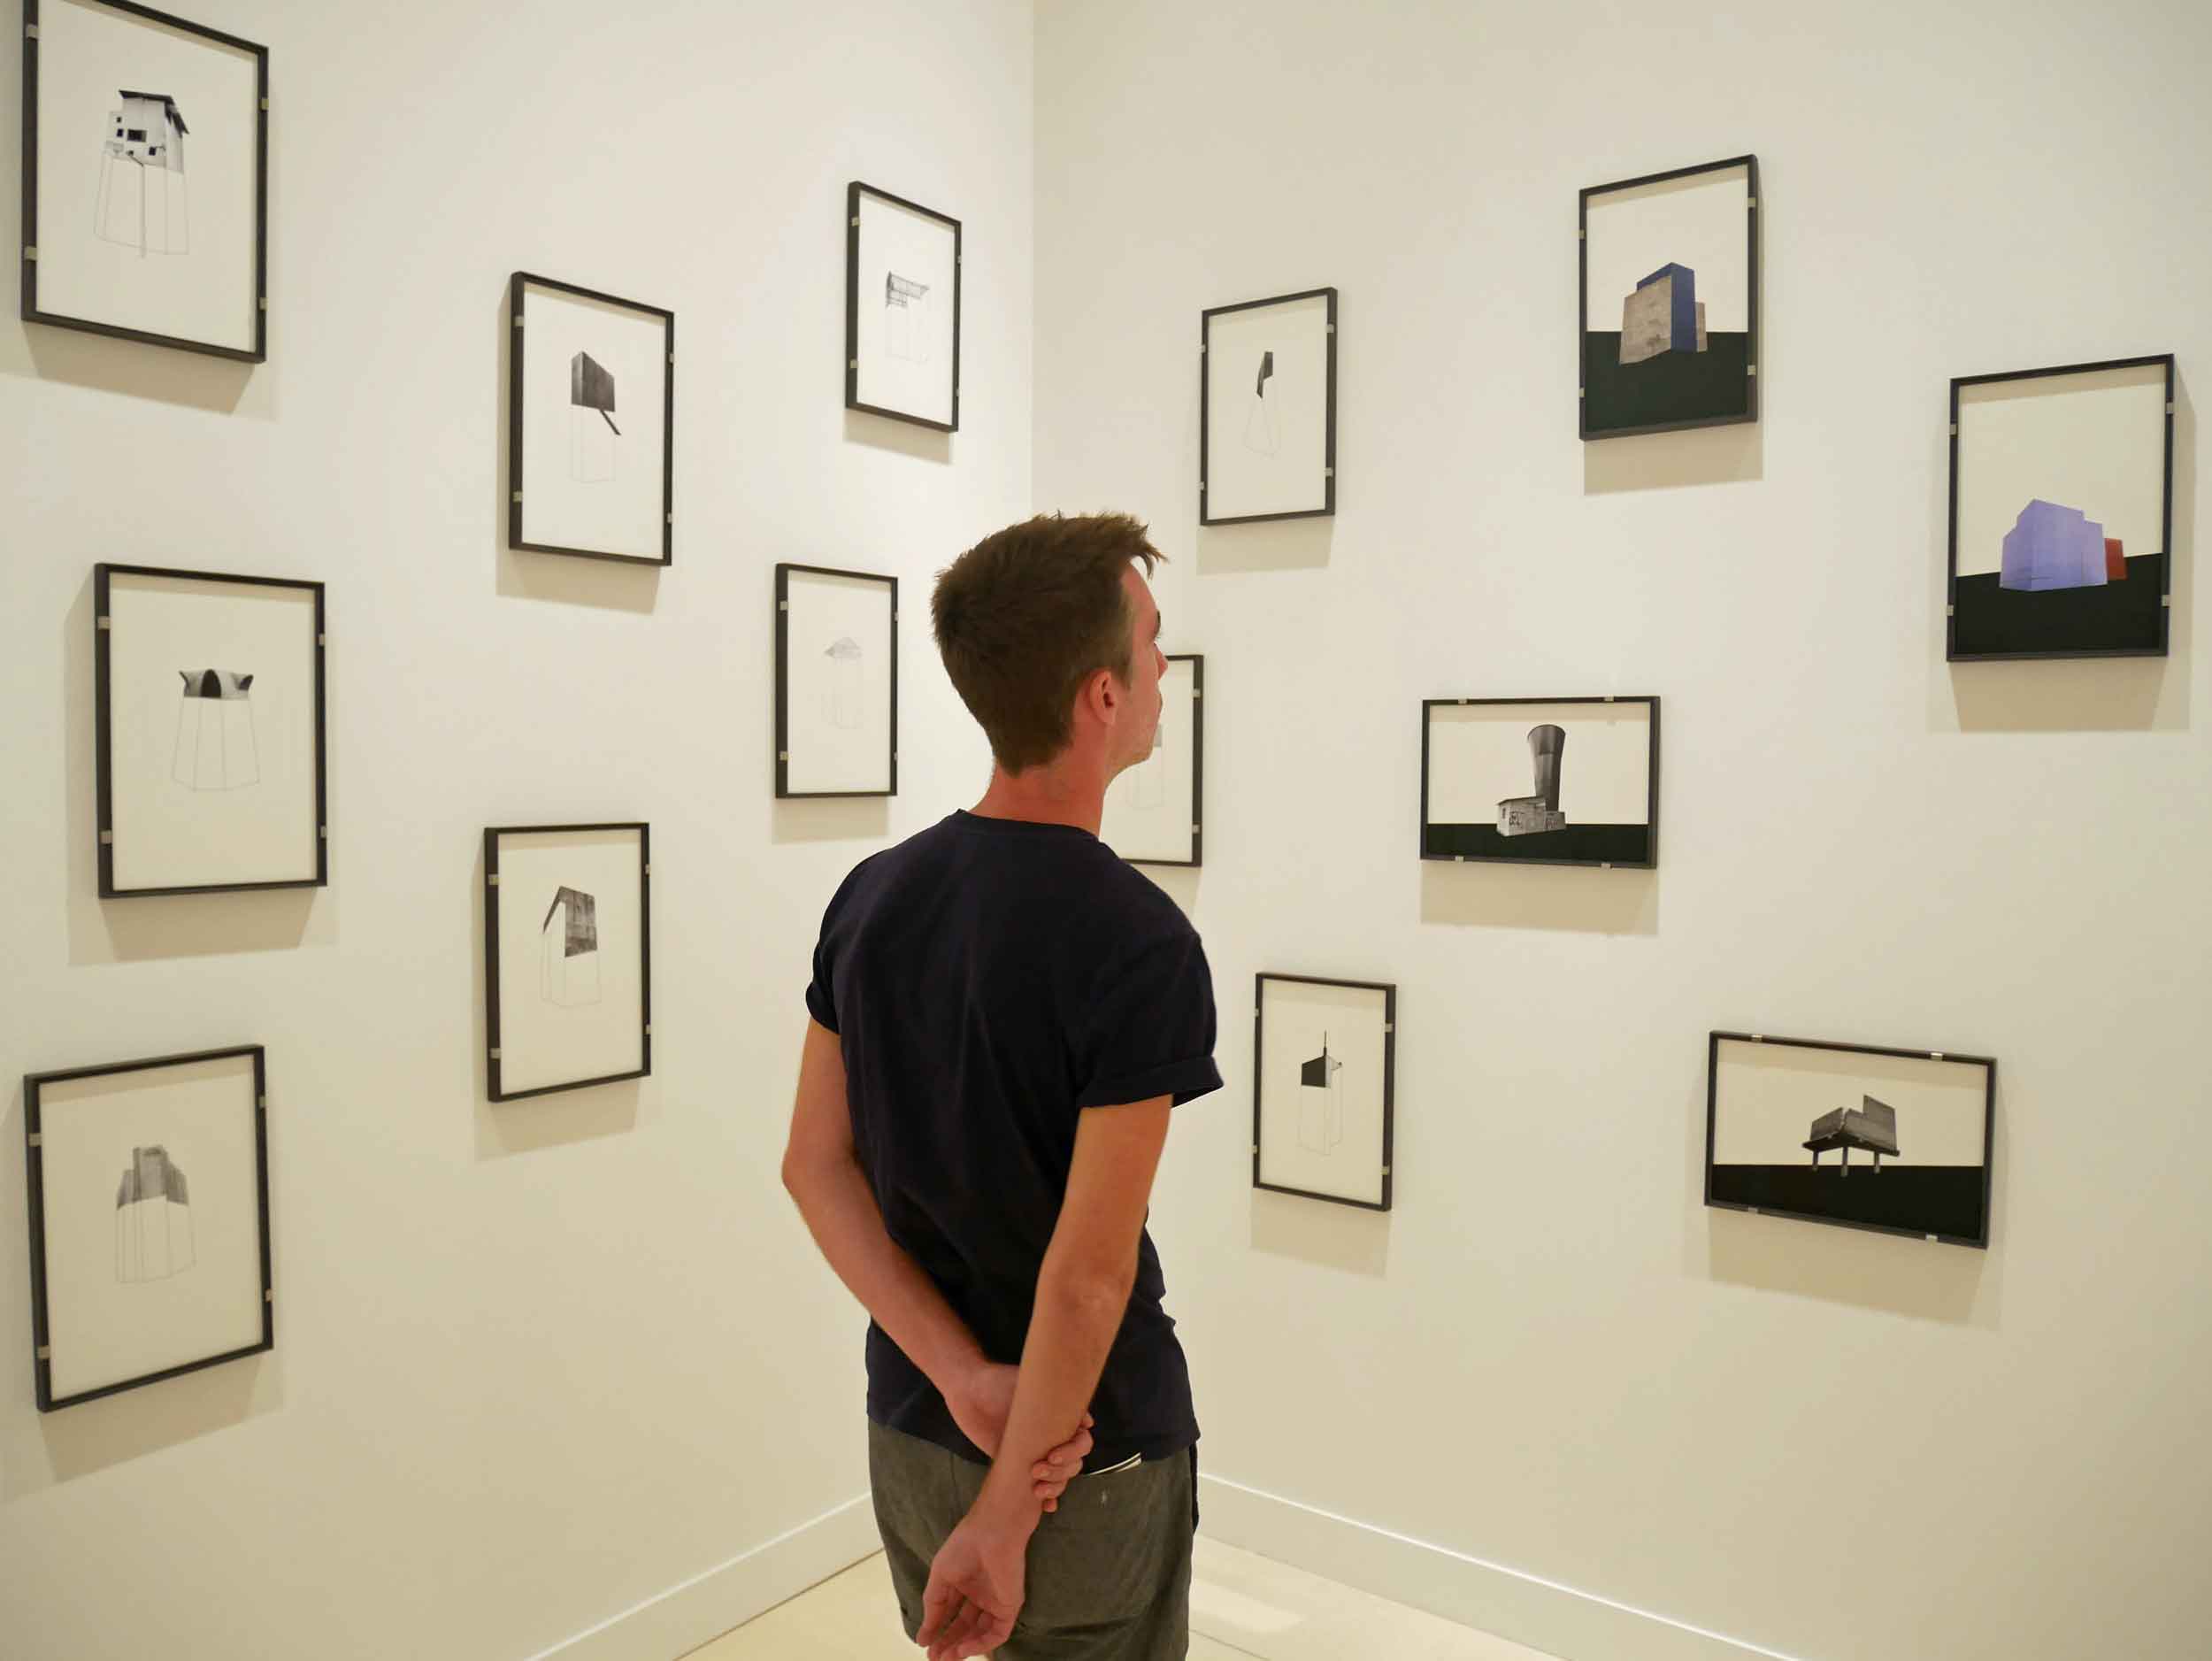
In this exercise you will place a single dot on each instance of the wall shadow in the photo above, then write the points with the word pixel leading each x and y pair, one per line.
pixel 1328 1237
pixel 1481 895
pixel 1272 545
pixel 829 818
pixel 882 432
pixel 1666 461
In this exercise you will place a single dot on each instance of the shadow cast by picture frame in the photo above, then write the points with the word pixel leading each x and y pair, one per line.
pixel 1731 454
pixel 829 818
pixel 1486 894
pixel 1298 545
pixel 1346 1237
pixel 903 438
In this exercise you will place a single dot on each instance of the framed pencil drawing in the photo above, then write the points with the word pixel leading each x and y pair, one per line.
pixel 1669 301
pixel 150 1220
pixel 145 178
pixel 591 422
pixel 567 956
pixel 1323 1078
pixel 1155 810
pixel 837 682
pixel 1267 409
pixel 1555 781
pixel 902 308
pixel 2062 512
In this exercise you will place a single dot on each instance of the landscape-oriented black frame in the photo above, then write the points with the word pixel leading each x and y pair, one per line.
pixel 491 956
pixel 1750 412
pixel 783 680
pixel 104 767
pixel 516 287
pixel 34 1160
pixel 32 312
pixel 1197 662
pixel 1390 1074
pixel 1205 398
pixel 1431 846
pixel 2155 626
pixel 853 191
pixel 1989 1132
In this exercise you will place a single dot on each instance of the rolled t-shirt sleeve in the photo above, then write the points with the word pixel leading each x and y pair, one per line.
pixel 1151 1028
pixel 821 990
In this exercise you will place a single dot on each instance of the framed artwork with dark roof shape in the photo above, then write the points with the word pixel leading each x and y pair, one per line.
pixel 1155 810
pixel 1552 781
pixel 902 308
pixel 150 1220
pixel 1267 409
pixel 145 178
pixel 1670 305
pixel 591 422
pixel 567 956
pixel 208 731
pixel 2062 512
pixel 1323 1076
pixel 1897 1140
pixel 837 682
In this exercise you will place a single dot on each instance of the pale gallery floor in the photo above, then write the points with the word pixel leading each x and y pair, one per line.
pixel 1242 1606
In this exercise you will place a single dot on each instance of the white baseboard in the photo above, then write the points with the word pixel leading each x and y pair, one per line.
pixel 686 1615
pixel 1559 1620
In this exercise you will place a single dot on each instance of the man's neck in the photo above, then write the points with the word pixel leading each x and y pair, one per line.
pixel 1063 793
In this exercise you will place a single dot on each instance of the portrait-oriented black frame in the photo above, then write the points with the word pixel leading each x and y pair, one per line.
pixel 31 310
pixel 35 1170
pixel 491 955
pixel 102 719
pixel 1952 654
pixel 1651 810
pixel 1197 662
pixel 1750 164
pixel 517 286
pixel 783 680
pixel 853 191
pixel 1205 415
pixel 1989 1130
pixel 1390 1073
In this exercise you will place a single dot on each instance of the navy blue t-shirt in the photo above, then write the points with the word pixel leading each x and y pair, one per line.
pixel 988 980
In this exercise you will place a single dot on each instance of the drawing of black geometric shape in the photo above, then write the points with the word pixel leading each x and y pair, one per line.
pixel 568 961
pixel 1263 432
pixel 143 200
pixel 591 432
pixel 905 318
pixel 153 1218
pixel 1320 1103
pixel 1531 815
pixel 1872 1127
pixel 842 698
pixel 216 749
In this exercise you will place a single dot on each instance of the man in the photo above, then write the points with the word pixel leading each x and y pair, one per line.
pixel 1003 1016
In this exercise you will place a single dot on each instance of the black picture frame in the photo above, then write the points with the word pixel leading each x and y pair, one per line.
pixel 1431 847
pixel 1389 990
pixel 517 286
pixel 1979 1241
pixel 784 573
pixel 494 1088
pixel 104 706
pixel 33 1130
pixel 1205 411
pixel 1583 350
pixel 853 191
pixel 2161 625
pixel 1197 662
pixel 32 312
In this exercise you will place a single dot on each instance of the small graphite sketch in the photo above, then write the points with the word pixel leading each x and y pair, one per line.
pixel 1320 1104
pixel 2054 547
pixel 841 700
pixel 591 446
pixel 1527 815
pixel 1663 315
pixel 568 961
pixel 215 746
pixel 142 201
pixel 905 318
pixel 153 1218
pixel 1262 432
pixel 1872 1127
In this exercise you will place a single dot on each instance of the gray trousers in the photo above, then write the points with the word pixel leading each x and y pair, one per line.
pixel 1108 1573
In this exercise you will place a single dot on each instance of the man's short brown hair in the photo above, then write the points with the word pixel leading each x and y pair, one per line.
pixel 1027 615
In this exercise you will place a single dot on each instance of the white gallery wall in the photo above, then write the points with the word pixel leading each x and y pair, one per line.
pixel 538 1363
pixel 1550 1358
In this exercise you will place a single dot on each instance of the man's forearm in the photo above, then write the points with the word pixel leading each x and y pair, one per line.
pixel 1069 1335
pixel 841 1213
